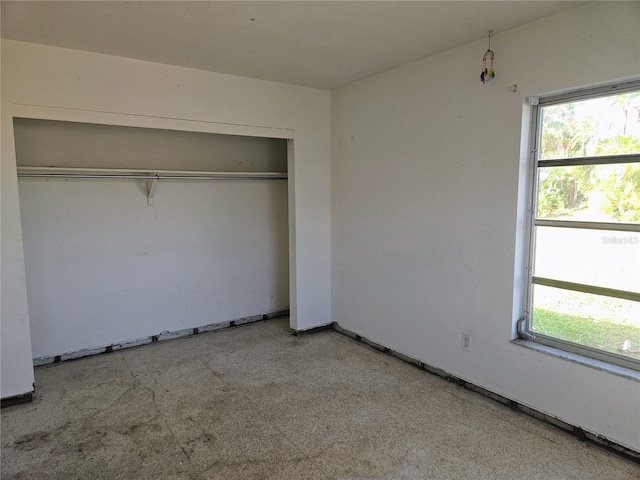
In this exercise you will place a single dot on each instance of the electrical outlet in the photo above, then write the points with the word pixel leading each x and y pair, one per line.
pixel 466 342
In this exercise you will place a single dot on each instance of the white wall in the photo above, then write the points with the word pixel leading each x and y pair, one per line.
pixel 88 83
pixel 102 267
pixel 425 171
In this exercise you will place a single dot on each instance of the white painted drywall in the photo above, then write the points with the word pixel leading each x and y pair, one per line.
pixel 68 79
pixel 425 171
pixel 102 267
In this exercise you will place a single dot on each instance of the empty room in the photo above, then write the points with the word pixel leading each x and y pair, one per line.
pixel 320 240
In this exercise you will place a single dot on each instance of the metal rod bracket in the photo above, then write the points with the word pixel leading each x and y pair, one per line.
pixel 151 190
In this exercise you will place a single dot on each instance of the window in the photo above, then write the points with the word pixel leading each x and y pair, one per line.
pixel 584 266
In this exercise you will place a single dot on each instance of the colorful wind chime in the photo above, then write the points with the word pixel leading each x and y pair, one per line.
pixel 488 73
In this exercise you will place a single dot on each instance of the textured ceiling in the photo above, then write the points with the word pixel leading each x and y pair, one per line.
pixel 316 44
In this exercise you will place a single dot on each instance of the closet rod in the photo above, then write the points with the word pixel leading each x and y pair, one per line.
pixel 97 173
pixel 278 176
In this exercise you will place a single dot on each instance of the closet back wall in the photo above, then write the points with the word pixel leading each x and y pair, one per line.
pixel 102 267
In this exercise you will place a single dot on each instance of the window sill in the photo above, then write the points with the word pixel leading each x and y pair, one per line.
pixel 580 359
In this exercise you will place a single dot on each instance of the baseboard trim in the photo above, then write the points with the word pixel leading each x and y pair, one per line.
pixel 160 337
pixel 581 434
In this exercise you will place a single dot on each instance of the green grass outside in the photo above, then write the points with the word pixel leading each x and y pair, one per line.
pixel 602 334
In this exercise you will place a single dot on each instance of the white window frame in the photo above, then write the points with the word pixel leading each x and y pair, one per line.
pixel 525 326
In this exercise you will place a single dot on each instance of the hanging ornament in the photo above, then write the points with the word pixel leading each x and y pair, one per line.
pixel 488 73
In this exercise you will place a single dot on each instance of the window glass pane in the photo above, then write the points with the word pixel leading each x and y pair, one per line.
pixel 593 127
pixel 591 193
pixel 604 258
pixel 606 323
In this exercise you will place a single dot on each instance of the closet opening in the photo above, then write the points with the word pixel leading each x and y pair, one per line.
pixel 134 234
